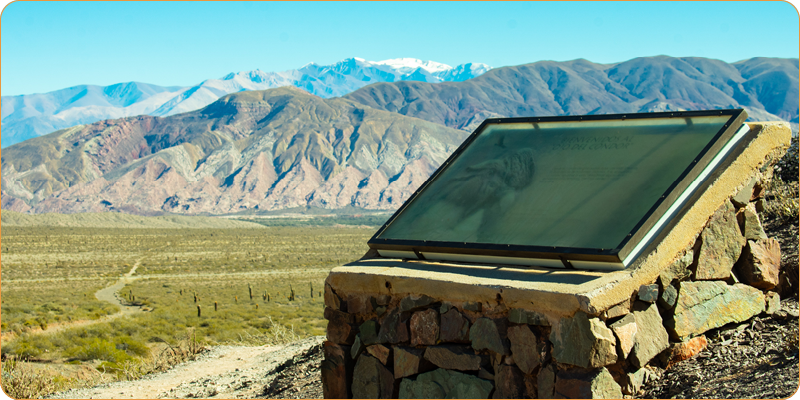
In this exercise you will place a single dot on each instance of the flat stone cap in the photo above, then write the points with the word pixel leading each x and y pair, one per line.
pixel 559 293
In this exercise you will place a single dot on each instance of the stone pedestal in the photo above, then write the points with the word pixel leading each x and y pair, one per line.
pixel 438 329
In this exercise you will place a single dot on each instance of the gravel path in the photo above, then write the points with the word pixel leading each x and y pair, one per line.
pixel 224 372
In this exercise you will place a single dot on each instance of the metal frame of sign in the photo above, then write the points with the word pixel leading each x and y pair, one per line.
pixel 571 257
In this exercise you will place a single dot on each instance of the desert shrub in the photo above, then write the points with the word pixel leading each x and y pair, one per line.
pixel 21 381
pixel 786 168
pixel 97 349
pixel 782 200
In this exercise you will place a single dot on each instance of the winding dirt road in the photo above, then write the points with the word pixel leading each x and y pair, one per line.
pixel 108 294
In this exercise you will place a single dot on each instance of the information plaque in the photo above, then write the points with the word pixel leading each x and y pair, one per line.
pixel 573 191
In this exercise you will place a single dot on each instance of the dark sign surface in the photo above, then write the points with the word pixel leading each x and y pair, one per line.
pixel 549 187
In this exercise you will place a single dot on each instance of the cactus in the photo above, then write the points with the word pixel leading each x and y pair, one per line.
pixel 311 286
pixel 215 306
pixel 250 290
pixel 198 310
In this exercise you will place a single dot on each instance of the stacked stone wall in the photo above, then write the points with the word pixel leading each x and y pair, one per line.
pixel 415 345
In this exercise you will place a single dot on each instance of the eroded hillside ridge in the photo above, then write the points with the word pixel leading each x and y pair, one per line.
pixel 261 150
pixel 766 87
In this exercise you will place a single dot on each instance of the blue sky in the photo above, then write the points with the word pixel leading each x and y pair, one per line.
pixel 46 46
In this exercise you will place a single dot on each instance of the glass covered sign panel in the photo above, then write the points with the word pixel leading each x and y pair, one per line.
pixel 546 187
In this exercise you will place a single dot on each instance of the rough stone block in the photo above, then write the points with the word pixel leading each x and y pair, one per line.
pixel 473 306
pixel 484 336
pixel 393 329
pixel 368 331
pixel 678 270
pixel 530 392
pixel 742 198
pixel 524 348
pixel 546 381
pixel 415 302
pixel 371 380
pixel 331 299
pixel 585 342
pixel 773 303
pixel 750 223
pixel 633 381
pixel 357 348
pixel 441 384
pixel 335 372
pixel 455 328
pixel 508 382
pixel 424 327
pixel 517 316
pixel 651 337
pixel 380 352
pixel 340 330
pixel 760 263
pixel 407 361
pixel 688 349
pixel 457 357
pixel 625 331
pixel 358 304
pixel 618 310
pixel 721 244
pixel 707 305
pixel 592 384
pixel 648 293
pixel 521 316
pixel 668 296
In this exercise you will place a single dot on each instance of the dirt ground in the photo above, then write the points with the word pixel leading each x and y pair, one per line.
pixel 223 372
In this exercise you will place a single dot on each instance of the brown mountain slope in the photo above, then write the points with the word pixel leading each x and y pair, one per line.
pixel 766 87
pixel 263 150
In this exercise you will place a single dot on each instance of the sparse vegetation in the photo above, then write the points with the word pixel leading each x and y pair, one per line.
pixel 782 191
pixel 50 275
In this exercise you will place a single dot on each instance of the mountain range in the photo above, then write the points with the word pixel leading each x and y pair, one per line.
pixel 255 150
pixel 277 149
pixel 766 87
pixel 27 116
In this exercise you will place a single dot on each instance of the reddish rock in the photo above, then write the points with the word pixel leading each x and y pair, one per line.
pixel 508 382
pixel 688 349
pixel 335 371
pixel 340 329
pixel 461 358
pixel 625 330
pixel 617 310
pixel 331 299
pixel 409 361
pixel 531 391
pixel 424 327
pixel 393 330
pixel 380 352
pixel 358 305
pixel 524 348
pixel 455 328
pixel 720 243
pixel 760 264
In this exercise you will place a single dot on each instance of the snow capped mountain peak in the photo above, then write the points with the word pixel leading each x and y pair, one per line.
pixel 409 64
pixel 67 107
